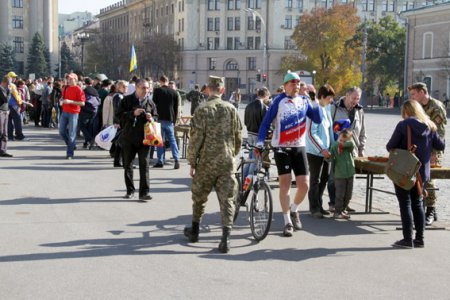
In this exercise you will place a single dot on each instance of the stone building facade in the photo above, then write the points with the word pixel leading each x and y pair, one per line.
pixel 19 22
pixel 428 48
pixel 228 37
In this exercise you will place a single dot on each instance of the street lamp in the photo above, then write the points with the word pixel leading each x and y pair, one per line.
pixel 313 76
pixel 255 14
pixel 82 37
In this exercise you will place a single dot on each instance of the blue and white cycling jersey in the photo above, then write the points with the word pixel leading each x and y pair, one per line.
pixel 288 115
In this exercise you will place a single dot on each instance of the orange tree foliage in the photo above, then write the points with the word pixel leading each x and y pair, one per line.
pixel 322 38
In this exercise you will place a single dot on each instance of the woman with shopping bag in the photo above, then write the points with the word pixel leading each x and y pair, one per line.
pixel 416 129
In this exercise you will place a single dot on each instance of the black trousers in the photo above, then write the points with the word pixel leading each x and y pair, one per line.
pixel 37 112
pixel 129 152
pixel 318 177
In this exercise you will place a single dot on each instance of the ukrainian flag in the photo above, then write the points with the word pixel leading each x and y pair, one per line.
pixel 133 60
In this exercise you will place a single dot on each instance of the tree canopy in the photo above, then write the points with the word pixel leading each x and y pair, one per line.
pixel 385 53
pixel 38 58
pixel 322 39
pixel 7 59
pixel 68 62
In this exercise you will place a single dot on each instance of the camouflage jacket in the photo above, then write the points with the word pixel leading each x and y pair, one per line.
pixel 215 137
pixel 438 114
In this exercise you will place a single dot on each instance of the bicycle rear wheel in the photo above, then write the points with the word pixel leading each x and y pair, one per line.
pixel 261 210
pixel 237 198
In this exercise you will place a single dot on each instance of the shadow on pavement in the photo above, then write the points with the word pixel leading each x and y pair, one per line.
pixel 48 201
pixel 292 254
pixel 170 233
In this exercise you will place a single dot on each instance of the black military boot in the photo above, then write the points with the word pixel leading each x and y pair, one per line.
pixel 192 232
pixel 430 215
pixel 224 245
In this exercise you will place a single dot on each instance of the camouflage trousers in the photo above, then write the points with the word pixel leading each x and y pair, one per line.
pixel 226 187
pixel 430 200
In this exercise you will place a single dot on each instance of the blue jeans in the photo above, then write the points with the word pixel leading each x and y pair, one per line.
pixel 14 123
pixel 167 130
pixel 411 210
pixel 68 131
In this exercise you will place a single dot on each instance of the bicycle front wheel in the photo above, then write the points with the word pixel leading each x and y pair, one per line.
pixel 261 210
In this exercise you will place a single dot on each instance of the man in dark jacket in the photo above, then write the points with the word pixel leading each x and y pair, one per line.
pixel 195 97
pixel 166 100
pixel 254 114
pixel 134 111
pixel 88 114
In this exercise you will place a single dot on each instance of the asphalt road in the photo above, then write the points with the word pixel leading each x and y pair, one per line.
pixel 66 233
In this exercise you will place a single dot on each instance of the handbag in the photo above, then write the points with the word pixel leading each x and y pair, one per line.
pixel 403 166
pixel 105 137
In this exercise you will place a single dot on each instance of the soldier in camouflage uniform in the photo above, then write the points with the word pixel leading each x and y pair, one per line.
pixel 437 113
pixel 215 140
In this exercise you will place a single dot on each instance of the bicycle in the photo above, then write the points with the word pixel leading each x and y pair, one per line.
pixel 261 204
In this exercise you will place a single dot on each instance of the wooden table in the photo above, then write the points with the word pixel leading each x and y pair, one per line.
pixel 185 130
pixel 370 169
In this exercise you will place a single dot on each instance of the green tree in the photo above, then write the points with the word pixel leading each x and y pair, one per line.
pixel 321 38
pixel 160 54
pixel 38 58
pixel 385 53
pixel 7 59
pixel 68 62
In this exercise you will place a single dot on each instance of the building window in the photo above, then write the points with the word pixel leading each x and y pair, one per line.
pixel 368 5
pixel 250 23
pixel 238 4
pixel 288 3
pixel 212 63
pixel 237 23
pixel 210 25
pixel 297 21
pixel 258 24
pixel 427 50
pixel 213 4
pixel 210 42
pixel 229 43
pixel 257 4
pixel 250 44
pixel 216 43
pixel 232 65
pixel 257 42
pixel 251 63
pixel 230 23
pixel 387 5
pixel 230 4
pixel 288 22
pixel 251 85
pixel 237 43
pixel 18 44
pixel 18 22
pixel 217 24
pixel 17 3
pixel 20 67
pixel 250 3
pixel 300 4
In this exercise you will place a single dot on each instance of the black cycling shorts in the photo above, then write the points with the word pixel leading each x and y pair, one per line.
pixel 293 158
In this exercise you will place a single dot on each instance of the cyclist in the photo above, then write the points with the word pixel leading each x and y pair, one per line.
pixel 288 113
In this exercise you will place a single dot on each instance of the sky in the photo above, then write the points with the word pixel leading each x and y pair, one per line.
pixel 93 6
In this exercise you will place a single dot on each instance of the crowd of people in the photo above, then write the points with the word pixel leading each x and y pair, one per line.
pixel 312 133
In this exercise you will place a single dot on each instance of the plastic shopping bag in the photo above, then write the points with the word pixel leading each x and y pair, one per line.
pixel 152 134
pixel 105 137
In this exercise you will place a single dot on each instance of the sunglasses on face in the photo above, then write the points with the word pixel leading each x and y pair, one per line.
pixel 295 81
